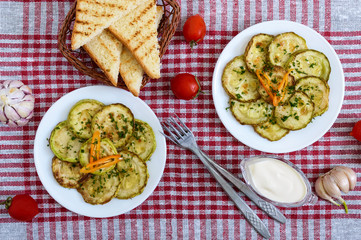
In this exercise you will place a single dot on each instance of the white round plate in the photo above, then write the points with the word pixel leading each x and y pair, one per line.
pixel 295 140
pixel 70 198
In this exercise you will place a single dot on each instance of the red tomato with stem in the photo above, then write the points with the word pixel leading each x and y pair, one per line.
pixel 185 86
pixel 21 207
pixel 356 131
pixel 194 30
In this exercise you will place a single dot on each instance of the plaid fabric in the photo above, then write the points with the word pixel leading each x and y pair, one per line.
pixel 188 203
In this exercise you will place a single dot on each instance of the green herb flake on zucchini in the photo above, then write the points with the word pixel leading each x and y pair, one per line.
pixel 238 82
pixel 143 140
pixel 282 47
pixel 256 52
pixel 297 113
pixel 252 113
pixel 64 144
pixel 80 117
pixel 100 189
pixel 271 130
pixel 309 63
pixel 317 90
pixel 67 174
pixel 115 122
pixel 133 174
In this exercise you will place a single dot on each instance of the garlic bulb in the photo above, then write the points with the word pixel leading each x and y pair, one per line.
pixel 330 185
pixel 16 103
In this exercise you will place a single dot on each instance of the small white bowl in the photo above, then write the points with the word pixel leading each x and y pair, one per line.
pixel 309 198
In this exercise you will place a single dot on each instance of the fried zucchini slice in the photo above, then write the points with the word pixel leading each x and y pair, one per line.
pixel 296 113
pixel 133 175
pixel 107 148
pixel 309 63
pixel 80 117
pixel 271 130
pixel 115 122
pixel 276 74
pixel 67 174
pixel 64 144
pixel 317 90
pixel 100 189
pixel 253 113
pixel 282 47
pixel 238 82
pixel 143 141
pixel 256 51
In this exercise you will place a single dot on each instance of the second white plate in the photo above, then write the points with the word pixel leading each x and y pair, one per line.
pixel 295 140
pixel 70 198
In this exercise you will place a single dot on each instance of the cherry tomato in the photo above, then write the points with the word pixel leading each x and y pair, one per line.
pixel 185 86
pixel 356 131
pixel 194 30
pixel 22 207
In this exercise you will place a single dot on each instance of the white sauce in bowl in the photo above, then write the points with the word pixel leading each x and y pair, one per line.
pixel 276 180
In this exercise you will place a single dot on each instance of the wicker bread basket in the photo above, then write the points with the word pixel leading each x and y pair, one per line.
pixel 81 60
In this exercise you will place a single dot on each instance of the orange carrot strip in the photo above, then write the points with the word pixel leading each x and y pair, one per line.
pixel 274 96
pixel 282 87
pixel 85 170
pixel 266 87
pixel 102 160
pixel 95 140
pixel 267 78
pixel 97 150
pixel 101 163
pixel 284 80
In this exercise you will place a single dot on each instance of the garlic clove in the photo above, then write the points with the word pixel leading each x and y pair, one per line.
pixel 15 95
pixel 332 189
pixel 24 108
pixel 13 84
pixel 21 122
pixel 2 115
pixel 320 191
pixel 26 89
pixel 29 98
pixel 10 113
pixel 340 179
pixel 351 175
pixel 330 186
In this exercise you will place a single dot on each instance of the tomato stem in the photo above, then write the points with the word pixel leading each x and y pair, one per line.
pixel 7 202
pixel 194 43
pixel 200 89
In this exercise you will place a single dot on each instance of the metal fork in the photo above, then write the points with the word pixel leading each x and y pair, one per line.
pixel 184 138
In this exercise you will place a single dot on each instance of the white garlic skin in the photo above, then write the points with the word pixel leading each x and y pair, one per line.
pixel 16 103
pixel 330 184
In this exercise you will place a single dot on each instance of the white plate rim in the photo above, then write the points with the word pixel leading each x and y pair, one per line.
pixel 76 204
pixel 245 133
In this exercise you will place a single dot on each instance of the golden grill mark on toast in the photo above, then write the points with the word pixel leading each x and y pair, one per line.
pixel 109 5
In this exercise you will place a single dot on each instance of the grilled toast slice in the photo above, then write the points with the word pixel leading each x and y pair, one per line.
pixel 105 50
pixel 130 70
pixel 138 32
pixel 93 16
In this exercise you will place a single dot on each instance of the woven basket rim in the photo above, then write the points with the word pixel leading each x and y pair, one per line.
pixel 166 30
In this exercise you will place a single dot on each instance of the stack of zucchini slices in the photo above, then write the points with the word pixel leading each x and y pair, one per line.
pixel 120 134
pixel 286 62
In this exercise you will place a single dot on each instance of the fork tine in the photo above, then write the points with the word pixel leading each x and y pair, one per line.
pixel 175 122
pixel 170 132
pixel 174 129
pixel 169 138
pixel 182 123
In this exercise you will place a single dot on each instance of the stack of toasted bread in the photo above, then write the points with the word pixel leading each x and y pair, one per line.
pixel 121 37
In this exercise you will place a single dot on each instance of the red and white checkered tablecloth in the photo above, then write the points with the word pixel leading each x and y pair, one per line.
pixel 188 203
